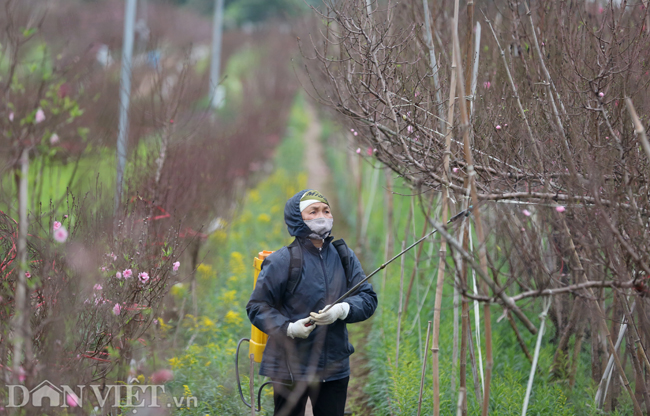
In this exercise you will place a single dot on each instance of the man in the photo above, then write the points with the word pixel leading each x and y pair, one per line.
pixel 307 354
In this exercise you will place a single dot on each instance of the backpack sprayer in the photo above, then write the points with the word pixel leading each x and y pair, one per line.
pixel 258 339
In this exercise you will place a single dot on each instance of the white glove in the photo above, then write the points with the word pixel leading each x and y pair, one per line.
pixel 338 311
pixel 299 330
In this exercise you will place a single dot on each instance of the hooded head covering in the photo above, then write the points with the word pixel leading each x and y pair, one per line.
pixel 292 211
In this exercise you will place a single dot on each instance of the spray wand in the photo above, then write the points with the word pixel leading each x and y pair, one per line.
pixel 356 287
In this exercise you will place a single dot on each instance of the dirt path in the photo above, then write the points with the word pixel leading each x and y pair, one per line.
pixel 320 178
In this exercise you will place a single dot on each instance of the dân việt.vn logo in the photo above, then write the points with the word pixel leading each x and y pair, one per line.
pixel 47 394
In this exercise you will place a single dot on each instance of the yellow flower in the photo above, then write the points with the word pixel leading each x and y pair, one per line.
pixel 175 363
pixel 205 271
pixel 233 318
pixel 254 195
pixel 264 218
pixel 237 266
pixel 228 297
pixel 207 324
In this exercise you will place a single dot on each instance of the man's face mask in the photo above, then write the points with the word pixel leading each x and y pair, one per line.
pixel 320 227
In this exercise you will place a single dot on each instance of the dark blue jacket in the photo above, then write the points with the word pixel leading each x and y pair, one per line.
pixel 324 354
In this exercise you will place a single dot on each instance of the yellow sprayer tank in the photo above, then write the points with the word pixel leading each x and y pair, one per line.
pixel 258 338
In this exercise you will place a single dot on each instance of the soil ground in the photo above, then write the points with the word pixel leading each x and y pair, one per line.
pixel 319 177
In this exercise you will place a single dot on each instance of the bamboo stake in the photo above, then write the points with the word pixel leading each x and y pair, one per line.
pixel 454 351
pixel 638 127
pixel 464 315
pixel 479 227
pixel 478 385
pixel 442 252
pixel 477 314
pixel 424 369
pixel 461 397
pixel 604 380
pixel 432 61
pixel 538 346
pixel 399 310
pixel 21 305
pixel 477 47
pixel 636 364
pixel 389 222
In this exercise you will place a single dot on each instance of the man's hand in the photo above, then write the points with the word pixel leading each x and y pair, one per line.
pixel 299 330
pixel 338 311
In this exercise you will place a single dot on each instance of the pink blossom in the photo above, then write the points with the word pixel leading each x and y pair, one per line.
pixel 525 212
pixel 606 137
pixel 40 116
pixel 56 225
pixel 352 130
pixel 61 235
pixel 601 10
pixel 409 129
pixel 176 265
pixel 28 275
pixel 455 170
pixel 118 275
pixel 117 309
pixel 560 208
pixel 369 151
pixel 127 273
pixel 144 277
pixel 505 125
pixel 162 376
pixel 54 139
pixel 72 399
pixel 65 216
pixel 22 375
pixel 417 93
pixel 11 116
pixel 113 256
pixel 356 134
pixel 601 94
pixel 103 268
pixel 487 85
pixel 498 127
pixel 358 150
pixel 97 287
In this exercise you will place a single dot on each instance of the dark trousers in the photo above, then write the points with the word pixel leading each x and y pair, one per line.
pixel 327 399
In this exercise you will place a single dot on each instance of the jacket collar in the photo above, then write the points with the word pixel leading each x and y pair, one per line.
pixel 306 242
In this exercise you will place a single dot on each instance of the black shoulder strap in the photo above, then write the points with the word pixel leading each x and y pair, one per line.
pixel 295 265
pixel 344 254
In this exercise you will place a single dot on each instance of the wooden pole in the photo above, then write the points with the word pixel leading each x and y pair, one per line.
pixel 399 310
pixel 479 227
pixel 424 369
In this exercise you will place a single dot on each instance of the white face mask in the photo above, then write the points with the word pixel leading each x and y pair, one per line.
pixel 321 227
